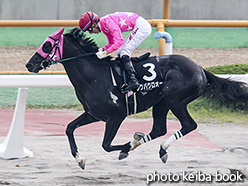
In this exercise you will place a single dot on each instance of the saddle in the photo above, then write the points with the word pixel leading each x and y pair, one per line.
pixel 147 72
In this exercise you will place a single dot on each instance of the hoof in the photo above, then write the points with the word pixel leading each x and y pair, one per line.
pixel 163 155
pixel 82 164
pixel 123 155
pixel 138 136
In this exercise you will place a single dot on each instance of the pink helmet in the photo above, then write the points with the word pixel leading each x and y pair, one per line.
pixel 86 20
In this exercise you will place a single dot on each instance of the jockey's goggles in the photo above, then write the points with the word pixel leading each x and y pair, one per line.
pixel 90 29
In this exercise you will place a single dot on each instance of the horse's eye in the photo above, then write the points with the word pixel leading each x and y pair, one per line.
pixel 47 47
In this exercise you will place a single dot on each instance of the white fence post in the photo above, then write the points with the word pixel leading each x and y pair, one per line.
pixel 12 147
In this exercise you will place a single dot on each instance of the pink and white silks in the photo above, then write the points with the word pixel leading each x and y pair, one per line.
pixel 113 25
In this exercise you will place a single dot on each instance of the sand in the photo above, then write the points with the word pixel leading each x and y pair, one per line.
pixel 53 164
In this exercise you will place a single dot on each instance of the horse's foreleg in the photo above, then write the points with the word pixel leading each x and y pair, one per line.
pixel 112 126
pixel 188 125
pixel 83 119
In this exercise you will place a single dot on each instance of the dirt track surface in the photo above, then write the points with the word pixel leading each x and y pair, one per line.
pixel 210 149
pixel 15 58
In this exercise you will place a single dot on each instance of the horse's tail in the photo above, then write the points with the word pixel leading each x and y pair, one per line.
pixel 230 90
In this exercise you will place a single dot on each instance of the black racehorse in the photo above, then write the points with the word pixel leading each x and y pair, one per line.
pixel 182 82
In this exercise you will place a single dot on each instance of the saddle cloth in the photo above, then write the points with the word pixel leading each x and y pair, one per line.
pixel 147 73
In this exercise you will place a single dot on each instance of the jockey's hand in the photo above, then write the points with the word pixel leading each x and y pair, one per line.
pixel 102 54
pixel 100 49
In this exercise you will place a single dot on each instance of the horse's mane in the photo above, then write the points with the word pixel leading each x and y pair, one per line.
pixel 87 44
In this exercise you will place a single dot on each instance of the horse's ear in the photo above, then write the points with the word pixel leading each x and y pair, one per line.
pixel 58 33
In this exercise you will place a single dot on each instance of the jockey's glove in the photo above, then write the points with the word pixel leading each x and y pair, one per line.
pixel 101 54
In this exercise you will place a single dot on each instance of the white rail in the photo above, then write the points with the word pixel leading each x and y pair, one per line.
pixel 29 81
pixel 236 77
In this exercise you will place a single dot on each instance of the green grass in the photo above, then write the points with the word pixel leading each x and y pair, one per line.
pixel 41 97
pixel 185 37
pixel 197 37
pixel 229 69
pixel 209 108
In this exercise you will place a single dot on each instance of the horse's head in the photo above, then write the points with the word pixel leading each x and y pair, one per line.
pixel 51 50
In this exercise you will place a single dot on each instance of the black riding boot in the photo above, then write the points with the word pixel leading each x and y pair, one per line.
pixel 133 83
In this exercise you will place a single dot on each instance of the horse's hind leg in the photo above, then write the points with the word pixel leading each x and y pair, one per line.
pixel 159 114
pixel 178 91
pixel 83 119
pixel 188 125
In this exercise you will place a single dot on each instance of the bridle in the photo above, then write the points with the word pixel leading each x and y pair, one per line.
pixel 46 63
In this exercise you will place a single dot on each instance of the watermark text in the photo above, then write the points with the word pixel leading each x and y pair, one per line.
pixel 197 176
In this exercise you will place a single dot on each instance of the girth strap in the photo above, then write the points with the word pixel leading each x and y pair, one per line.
pixel 131 102
pixel 113 77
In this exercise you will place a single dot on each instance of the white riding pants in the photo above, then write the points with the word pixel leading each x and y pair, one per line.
pixel 140 32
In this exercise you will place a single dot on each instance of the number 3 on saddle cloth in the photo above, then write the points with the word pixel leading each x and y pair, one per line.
pixel 147 73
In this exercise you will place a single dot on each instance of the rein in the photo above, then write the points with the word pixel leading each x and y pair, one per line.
pixel 48 63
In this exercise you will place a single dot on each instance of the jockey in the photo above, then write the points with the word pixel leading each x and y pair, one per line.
pixel 112 26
